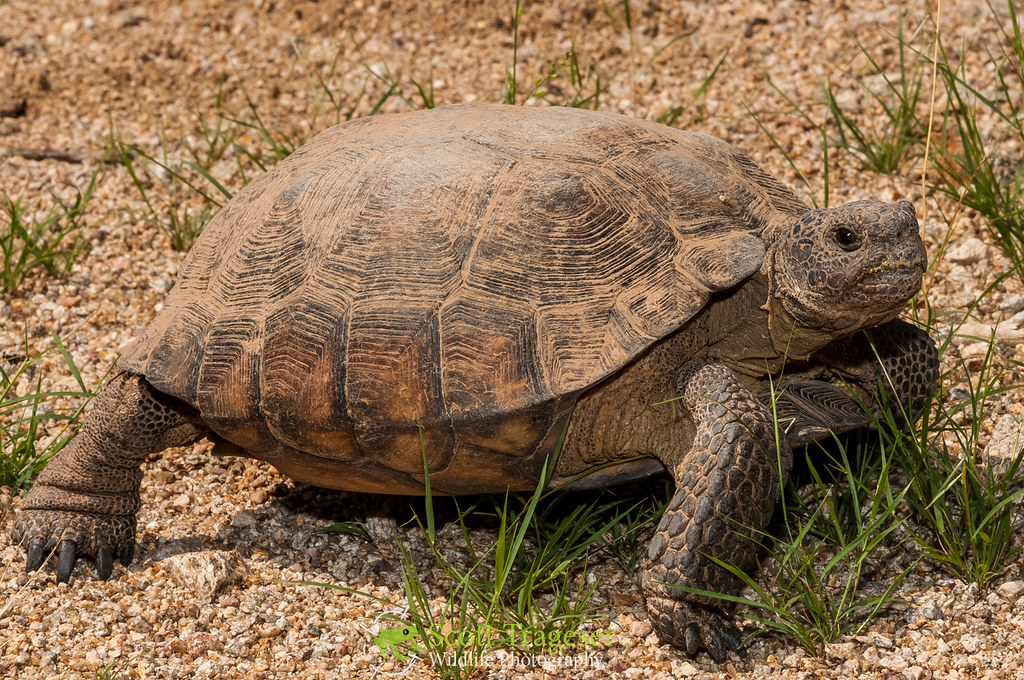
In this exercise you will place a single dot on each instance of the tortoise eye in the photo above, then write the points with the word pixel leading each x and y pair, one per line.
pixel 846 239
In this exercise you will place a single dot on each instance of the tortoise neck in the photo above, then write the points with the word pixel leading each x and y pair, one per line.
pixel 750 331
pixel 791 340
pixel 737 323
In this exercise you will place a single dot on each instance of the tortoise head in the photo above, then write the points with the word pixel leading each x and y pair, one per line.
pixel 837 271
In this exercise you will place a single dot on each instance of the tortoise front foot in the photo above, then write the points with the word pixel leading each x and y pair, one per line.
pixel 694 628
pixel 70 535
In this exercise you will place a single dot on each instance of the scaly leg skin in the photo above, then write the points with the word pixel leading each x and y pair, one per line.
pixel 84 502
pixel 850 385
pixel 904 373
pixel 727 485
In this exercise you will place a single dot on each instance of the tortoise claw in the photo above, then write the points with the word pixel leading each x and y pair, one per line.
pixel 36 555
pixel 104 563
pixel 733 638
pixel 127 553
pixel 65 560
pixel 74 534
pixel 695 628
pixel 692 637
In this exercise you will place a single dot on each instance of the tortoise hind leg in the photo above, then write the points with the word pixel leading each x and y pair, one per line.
pixel 84 502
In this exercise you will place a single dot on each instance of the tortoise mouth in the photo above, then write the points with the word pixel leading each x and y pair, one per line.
pixel 891 275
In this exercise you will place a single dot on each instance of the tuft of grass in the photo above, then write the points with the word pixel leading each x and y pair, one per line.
pixel 965 500
pixel 524 591
pixel 575 82
pixel 179 194
pixel 52 243
pixel 782 148
pixel 179 185
pixel 499 604
pixel 25 411
pixel 640 510
pixel 884 145
pixel 811 588
pixel 675 115
pixel 214 135
pixel 333 101
pixel 967 157
pixel 426 90
pixel 332 104
pixel 966 148
pixel 528 585
pixel 277 144
pixel 511 90
pixel 357 529
pixel 583 84
pixel 814 592
pixel 113 670
pixel 961 511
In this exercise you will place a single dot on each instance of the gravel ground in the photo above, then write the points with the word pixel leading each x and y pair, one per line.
pixel 214 533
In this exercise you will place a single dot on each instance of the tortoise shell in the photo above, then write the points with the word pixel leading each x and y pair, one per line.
pixel 437 288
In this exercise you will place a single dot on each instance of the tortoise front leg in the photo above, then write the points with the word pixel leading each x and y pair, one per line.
pixel 84 502
pixel 727 485
pixel 894 365
pixel 902 370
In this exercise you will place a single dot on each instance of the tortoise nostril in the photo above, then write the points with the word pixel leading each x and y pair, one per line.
pixel 906 227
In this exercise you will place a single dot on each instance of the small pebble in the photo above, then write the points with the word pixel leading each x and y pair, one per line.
pixel 970 251
pixel 930 610
pixel 206 573
pixel 640 629
pixel 1011 591
pixel 686 669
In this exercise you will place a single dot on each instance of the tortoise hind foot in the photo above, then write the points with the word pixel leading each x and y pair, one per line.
pixel 84 502
pixel 693 627
pixel 69 535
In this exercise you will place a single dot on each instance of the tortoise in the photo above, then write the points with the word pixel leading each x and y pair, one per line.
pixel 491 294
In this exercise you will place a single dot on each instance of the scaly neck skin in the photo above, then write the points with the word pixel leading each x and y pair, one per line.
pixel 738 329
pixel 789 339
pixel 751 333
